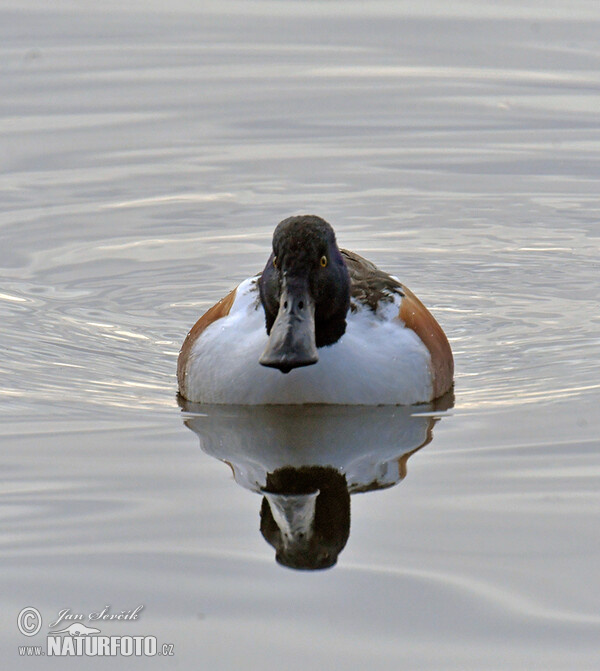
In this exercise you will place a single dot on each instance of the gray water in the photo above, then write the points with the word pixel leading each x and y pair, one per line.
pixel 146 154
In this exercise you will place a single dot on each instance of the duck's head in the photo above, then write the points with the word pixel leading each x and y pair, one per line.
pixel 305 292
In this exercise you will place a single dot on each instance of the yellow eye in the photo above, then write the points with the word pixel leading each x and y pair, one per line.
pixel 323 261
pixel 275 261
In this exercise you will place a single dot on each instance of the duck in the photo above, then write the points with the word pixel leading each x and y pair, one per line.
pixel 318 325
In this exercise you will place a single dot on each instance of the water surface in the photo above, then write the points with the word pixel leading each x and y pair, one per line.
pixel 146 156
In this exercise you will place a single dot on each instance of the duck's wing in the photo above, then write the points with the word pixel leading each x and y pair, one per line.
pixel 371 287
pixel 217 311
pixel 418 318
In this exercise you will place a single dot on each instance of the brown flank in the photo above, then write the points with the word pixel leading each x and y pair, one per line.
pixel 418 318
pixel 220 309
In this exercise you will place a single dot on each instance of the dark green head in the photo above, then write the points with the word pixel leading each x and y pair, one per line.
pixel 305 292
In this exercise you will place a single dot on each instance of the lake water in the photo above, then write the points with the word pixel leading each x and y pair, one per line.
pixel 146 154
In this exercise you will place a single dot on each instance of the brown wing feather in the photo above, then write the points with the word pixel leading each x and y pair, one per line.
pixel 369 285
pixel 418 318
pixel 217 311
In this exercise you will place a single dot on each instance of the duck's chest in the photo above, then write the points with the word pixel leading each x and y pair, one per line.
pixel 377 361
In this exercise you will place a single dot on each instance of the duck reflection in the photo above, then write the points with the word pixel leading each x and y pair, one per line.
pixel 305 515
pixel 306 461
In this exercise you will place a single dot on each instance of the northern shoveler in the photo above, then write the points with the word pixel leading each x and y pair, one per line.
pixel 342 331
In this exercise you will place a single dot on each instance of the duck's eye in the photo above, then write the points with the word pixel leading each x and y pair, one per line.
pixel 275 261
pixel 323 261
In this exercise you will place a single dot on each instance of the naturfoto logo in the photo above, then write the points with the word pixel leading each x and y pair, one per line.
pixel 75 638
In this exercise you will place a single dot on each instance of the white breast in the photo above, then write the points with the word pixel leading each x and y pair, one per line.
pixel 376 362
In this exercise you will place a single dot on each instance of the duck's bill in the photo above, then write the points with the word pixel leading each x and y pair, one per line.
pixel 292 339
pixel 294 514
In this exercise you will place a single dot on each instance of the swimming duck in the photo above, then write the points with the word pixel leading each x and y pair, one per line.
pixel 319 325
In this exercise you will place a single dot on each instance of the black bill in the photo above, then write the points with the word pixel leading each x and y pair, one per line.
pixel 292 339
